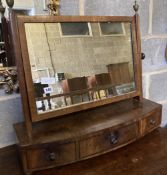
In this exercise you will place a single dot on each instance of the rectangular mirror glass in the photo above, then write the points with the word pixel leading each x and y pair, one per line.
pixel 79 62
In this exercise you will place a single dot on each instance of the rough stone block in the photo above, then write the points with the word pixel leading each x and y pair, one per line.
pixel 119 8
pixel 39 8
pixel 154 50
pixel 10 112
pixel 158 87
pixel 160 17
pixel 69 7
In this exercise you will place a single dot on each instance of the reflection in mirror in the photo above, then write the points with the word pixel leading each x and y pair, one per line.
pixel 75 29
pixel 74 63
pixel 112 28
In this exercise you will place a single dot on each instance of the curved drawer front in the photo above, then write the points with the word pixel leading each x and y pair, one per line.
pixel 51 155
pixel 151 122
pixel 108 140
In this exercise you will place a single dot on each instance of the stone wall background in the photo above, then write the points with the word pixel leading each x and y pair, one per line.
pixel 154 40
pixel 10 113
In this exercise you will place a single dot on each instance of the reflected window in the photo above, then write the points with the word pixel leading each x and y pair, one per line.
pixel 112 28
pixel 75 29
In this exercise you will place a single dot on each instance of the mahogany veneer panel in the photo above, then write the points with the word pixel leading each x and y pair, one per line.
pixel 149 122
pixel 102 142
pixel 41 157
pixel 86 122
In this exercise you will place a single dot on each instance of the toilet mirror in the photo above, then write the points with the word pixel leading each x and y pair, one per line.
pixel 76 63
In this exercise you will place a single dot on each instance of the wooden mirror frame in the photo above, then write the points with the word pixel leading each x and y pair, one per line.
pixel 24 69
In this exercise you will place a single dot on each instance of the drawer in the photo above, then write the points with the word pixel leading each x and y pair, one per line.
pixel 151 122
pixel 51 155
pixel 107 140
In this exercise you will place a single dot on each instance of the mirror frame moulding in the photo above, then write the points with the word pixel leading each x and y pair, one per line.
pixel 25 71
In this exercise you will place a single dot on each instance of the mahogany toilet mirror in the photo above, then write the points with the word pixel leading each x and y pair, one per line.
pixel 73 63
pixel 81 87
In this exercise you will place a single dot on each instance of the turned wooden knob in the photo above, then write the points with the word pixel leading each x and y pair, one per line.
pixel 152 122
pixel 113 138
pixel 143 56
pixel 52 156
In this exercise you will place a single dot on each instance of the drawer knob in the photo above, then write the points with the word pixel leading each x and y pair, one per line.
pixel 152 122
pixel 113 138
pixel 52 156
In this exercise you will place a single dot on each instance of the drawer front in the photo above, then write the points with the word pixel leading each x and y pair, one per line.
pixel 51 155
pixel 107 140
pixel 151 122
